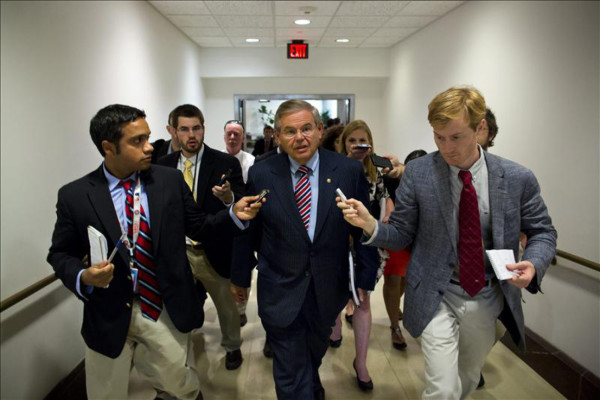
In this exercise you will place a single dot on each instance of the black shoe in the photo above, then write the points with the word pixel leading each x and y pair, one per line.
pixel 335 343
pixel 364 386
pixel 267 350
pixel 348 319
pixel 243 319
pixel 233 359
pixel 481 381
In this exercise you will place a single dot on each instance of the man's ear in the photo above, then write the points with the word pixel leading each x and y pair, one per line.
pixel 481 126
pixel 109 148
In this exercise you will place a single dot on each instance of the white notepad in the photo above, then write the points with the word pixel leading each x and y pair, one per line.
pixel 499 259
pixel 98 245
pixel 353 280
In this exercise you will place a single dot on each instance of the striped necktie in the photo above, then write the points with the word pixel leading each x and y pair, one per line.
pixel 144 260
pixel 303 196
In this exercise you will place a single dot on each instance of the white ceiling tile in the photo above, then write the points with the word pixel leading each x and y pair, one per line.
pixel 295 7
pixel 264 42
pixel 346 32
pixel 242 21
pixel 330 42
pixel 408 22
pixel 394 32
pixel 250 32
pixel 358 22
pixel 203 32
pixel 212 42
pixel 180 7
pixel 287 21
pixel 380 42
pixel 299 33
pixel 193 20
pixel 359 8
pixel 434 8
pixel 279 42
pixel 240 7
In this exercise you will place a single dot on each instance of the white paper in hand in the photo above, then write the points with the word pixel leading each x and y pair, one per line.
pixel 499 259
pixel 98 245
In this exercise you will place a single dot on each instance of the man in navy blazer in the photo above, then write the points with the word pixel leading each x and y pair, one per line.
pixel 302 264
pixel 456 322
pixel 116 333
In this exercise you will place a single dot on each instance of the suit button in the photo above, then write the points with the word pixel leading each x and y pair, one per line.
pixel 307 273
pixel 129 277
pixel 441 292
pixel 128 305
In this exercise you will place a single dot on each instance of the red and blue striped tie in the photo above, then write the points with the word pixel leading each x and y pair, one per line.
pixel 303 195
pixel 144 260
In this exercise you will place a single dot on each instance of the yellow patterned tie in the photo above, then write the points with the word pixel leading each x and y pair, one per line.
pixel 188 176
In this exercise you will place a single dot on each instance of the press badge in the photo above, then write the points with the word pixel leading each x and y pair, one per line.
pixel 134 279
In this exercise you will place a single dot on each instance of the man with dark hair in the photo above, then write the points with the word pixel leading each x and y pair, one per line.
pixel 140 307
pixel 265 144
pixel 486 136
pixel 203 169
pixel 163 147
pixel 302 245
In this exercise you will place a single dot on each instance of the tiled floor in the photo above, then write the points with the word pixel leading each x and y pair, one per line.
pixel 396 374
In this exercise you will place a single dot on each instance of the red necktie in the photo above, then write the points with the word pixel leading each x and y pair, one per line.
pixel 470 245
pixel 303 196
pixel 144 260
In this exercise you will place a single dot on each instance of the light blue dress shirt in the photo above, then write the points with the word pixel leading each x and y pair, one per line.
pixel 313 180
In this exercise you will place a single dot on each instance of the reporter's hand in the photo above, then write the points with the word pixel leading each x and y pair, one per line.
pixel 356 214
pixel 239 293
pixel 397 167
pixel 524 270
pixel 245 209
pixel 223 192
pixel 98 275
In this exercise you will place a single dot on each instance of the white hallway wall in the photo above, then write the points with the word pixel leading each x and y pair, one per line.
pixel 62 62
pixel 537 64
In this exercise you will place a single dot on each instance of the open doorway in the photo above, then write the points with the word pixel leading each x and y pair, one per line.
pixel 258 110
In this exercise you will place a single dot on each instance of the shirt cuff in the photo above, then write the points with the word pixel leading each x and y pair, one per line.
pixel 373 236
pixel 88 289
pixel 240 224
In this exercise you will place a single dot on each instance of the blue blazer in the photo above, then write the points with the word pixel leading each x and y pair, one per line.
pixel 287 259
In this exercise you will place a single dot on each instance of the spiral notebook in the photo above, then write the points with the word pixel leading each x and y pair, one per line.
pixel 499 259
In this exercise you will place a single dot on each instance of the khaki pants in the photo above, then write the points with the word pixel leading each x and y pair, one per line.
pixel 219 290
pixel 458 339
pixel 158 351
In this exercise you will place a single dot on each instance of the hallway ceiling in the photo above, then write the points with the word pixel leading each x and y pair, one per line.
pixel 364 23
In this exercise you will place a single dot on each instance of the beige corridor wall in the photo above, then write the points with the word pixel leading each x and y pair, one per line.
pixel 61 62
pixel 537 64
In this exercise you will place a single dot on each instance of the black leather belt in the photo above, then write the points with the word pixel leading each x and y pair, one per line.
pixel 488 282
pixel 197 246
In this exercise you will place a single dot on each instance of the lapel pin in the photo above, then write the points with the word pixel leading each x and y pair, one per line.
pixel 328 180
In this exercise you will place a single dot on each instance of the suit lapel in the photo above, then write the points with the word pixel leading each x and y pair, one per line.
pixel 441 183
pixel 497 192
pixel 285 193
pixel 101 201
pixel 154 192
pixel 207 166
pixel 327 185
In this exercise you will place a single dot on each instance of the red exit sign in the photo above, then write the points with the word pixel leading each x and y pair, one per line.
pixel 297 50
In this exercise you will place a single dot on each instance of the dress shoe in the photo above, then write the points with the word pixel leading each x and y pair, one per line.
pixel 267 350
pixel 364 386
pixel 397 339
pixel 335 343
pixel 348 319
pixel 243 319
pixel 319 393
pixel 481 381
pixel 233 359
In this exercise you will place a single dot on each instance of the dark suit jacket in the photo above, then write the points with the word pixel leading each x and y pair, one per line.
pixel 173 215
pixel 213 165
pixel 287 259
pixel 259 147
pixel 266 155
pixel 423 217
pixel 161 148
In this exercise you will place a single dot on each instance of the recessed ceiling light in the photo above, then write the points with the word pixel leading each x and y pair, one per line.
pixel 252 40
pixel 342 40
pixel 302 21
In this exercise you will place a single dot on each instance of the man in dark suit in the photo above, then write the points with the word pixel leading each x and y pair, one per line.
pixel 140 307
pixel 163 147
pixel 450 206
pixel 303 246
pixel 210 260
pixel 265 144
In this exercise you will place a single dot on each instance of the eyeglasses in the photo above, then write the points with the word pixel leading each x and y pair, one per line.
pixel 195 129
pixel 234 121
pixel 306 130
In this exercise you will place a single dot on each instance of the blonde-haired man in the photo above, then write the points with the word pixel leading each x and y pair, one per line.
pixel 451 206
